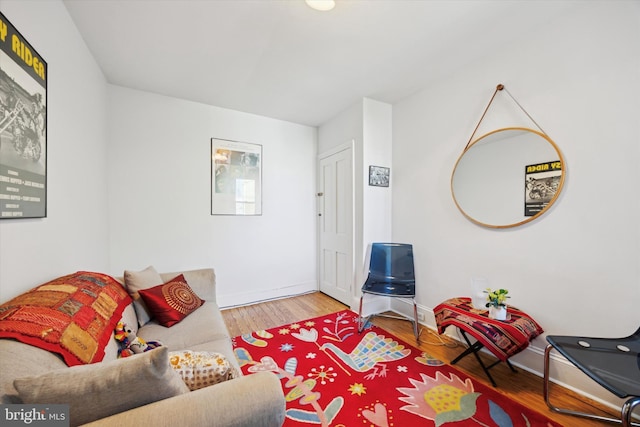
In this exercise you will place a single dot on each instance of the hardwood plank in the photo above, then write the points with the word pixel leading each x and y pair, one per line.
pixel 523 387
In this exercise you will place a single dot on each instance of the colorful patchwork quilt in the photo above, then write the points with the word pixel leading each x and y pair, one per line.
pixel 72 315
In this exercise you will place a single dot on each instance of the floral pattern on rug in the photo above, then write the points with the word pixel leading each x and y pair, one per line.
pixel 332 375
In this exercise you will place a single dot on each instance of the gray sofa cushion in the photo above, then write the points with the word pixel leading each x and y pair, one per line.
pixel 203 325
pixel 134 281
pixel 103 389
pixel 202 330
pixel 20 360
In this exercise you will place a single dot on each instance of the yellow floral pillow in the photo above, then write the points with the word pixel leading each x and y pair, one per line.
pixel 200 369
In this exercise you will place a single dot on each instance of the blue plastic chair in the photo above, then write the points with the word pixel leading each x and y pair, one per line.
pixel 391 274
pixel 614 363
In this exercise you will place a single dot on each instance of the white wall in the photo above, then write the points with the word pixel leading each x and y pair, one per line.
pixel 377 125
pixel 159 192
pixel 369 124
pixel 575 269
pixel 74 234
pixel 155 207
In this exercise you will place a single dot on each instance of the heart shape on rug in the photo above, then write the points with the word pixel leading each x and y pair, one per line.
pixel 308 335
pixel 378 416
pixel 266 364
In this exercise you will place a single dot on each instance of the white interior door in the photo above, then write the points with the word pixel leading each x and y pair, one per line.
pixel 335 224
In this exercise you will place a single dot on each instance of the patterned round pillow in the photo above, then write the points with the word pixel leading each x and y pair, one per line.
pixel 200 369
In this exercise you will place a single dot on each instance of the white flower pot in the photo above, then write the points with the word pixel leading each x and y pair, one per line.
pixel 498 313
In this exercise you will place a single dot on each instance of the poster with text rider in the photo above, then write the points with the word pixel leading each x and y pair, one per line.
pixel 23 126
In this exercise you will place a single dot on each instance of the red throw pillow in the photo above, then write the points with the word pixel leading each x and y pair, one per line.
pixel 171 302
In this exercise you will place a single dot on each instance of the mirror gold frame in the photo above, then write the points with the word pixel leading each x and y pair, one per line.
pixel 484 185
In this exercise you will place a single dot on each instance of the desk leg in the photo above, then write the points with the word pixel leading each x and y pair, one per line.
pixel 471 349
pixel 474 348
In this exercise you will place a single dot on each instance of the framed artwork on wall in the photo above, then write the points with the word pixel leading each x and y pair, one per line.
pixel 236 178
pixel 379 176
pixel 23 127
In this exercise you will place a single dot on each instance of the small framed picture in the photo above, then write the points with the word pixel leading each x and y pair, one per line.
pixel 378 176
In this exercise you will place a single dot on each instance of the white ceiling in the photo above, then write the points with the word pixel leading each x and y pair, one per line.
pixel 281 59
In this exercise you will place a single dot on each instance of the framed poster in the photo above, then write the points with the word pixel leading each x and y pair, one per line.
pixel 23 127
pixel 236 178
pixel 541 184
pixel 379 176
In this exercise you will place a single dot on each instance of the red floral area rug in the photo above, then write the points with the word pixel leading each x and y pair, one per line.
pixel 333 376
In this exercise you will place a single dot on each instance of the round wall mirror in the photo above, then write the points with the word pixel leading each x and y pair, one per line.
pixel 508 177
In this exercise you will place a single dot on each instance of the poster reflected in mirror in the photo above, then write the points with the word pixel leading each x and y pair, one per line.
pixel 541 184
pixel 236 178
pixel 378 176
pixel 23 127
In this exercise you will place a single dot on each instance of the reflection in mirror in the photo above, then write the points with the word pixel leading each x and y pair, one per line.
pixel 490 183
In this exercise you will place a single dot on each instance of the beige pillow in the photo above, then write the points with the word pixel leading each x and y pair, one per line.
pixel 99 390
pixel 136 280
pixel 200 369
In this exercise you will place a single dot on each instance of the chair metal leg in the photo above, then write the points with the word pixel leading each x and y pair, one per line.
pixel 416 325
pixel 416 330
pixel 626 411
pixel 361 322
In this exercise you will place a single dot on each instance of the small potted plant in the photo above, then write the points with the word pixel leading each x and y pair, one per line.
pixel 496 302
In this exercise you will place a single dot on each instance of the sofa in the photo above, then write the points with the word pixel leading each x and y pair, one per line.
pixel 108 388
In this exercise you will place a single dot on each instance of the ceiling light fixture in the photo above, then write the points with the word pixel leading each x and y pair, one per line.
pixel 321 5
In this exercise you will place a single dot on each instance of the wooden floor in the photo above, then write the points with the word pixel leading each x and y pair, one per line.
pixel 522 386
